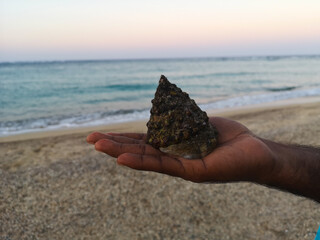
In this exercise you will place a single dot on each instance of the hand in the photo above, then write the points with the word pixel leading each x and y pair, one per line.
pixel 239 156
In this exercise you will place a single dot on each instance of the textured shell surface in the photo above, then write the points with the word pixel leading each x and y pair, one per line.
pixel 177 125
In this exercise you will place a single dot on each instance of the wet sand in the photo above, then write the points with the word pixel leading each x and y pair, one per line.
pixel 55 186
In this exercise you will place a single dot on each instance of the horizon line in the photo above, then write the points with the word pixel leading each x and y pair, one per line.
pixel 160 58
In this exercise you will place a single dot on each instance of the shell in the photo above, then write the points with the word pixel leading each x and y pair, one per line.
pixel 177 125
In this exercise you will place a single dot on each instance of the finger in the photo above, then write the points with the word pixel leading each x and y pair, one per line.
pixel 155 163
pixel 137 136
pixel 114 149
pixel 96 136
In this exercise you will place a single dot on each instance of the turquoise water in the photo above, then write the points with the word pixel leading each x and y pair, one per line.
pixel 51 95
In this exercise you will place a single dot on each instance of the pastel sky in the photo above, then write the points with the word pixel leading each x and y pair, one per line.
pixel 100 29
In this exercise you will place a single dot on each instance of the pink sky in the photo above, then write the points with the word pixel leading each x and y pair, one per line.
pixel 94 29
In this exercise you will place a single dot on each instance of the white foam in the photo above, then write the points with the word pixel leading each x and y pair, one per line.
pixel 73 122
pixel 257 99
pixel 96 119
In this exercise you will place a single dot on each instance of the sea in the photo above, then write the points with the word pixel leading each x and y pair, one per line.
pixel 41 96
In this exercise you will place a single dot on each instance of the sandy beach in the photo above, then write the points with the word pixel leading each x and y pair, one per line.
pixel 56 186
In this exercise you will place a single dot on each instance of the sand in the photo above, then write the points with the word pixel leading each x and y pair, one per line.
pixel 55 186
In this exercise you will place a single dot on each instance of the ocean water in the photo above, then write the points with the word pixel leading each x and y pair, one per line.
pixel 36 96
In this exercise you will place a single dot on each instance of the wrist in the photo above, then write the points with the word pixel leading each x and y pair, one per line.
pixel 271 166
pixel 276 163
pixel 295 169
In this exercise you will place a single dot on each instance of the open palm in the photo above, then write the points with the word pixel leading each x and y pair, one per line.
pixel 239 156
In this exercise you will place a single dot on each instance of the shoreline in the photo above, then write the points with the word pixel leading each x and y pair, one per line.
pixel 141 124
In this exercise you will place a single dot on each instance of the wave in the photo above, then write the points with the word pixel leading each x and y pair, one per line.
pixel 62 122
pixel 130 87
pixel 114 99
pixel 218 74
pixel 280 89
pixel 262 98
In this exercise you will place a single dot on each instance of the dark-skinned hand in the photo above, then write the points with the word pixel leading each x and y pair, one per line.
pixel 239 155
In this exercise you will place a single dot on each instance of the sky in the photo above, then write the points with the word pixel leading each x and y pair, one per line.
pixel 45 30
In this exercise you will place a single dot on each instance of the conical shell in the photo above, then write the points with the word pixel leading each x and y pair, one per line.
pixel 177 125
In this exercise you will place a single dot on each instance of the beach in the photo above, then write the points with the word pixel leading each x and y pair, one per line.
pixel 56 186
